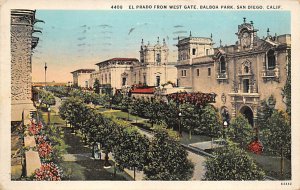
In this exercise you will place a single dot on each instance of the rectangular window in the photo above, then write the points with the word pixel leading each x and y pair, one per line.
pixel 246 86
pixel 145 82
pixel 209 72
pixel 207 51
pixel 183 73
pixel 198 72
pixel 158 59
pixel 123 81
pixel 157 80
pixel 194 51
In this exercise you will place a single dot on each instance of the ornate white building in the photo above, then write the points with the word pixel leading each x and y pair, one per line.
pixel 242 74
pixel 81 77
pixel 153 69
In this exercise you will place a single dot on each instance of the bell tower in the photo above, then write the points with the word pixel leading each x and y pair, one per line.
pixel 191 47
pixel 154 54
pixel 246 35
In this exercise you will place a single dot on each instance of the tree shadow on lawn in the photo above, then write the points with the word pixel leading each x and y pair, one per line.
pixel 84 168
pixel 75 145
pixel 89 170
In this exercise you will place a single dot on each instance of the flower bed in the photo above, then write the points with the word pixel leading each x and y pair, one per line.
pixel 255 147
pixel 34 128
pixel 48 171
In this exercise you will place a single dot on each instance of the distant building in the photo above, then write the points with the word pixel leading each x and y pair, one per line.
pixel 115 72
pixel 22 44
pixel 153 69
pixel 241 75
pixel 81 77
pixel 53 83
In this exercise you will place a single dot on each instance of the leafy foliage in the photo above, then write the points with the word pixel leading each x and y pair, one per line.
pixel 167 159
pixel 96 86
pixel 47 98
pixel 287 88
pixel 59 91
pixel 240 131
pixel 210 122
pixel 131 151
pixel 191 118
pixel 277 136
pixel 264 113
pixel 232 163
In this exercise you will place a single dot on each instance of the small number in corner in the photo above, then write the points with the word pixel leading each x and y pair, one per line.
pixel 116 7
pixel 286 183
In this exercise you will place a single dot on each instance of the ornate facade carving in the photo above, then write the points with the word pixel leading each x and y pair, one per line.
pixel 22 43
pixel 243 77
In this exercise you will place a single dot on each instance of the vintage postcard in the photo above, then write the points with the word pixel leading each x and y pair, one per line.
pixel 149 94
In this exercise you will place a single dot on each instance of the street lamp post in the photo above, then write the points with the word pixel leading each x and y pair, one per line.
pixel 45 74
pixel 49 111
pixel 37 110
pixel 225 125
pixel 179 128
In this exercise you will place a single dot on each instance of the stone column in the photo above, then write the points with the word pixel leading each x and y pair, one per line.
pixel 21 45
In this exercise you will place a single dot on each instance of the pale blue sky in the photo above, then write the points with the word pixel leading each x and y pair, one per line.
pixel 79 39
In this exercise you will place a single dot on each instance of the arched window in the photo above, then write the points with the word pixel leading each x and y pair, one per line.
pixel 222 65
pixel 271 60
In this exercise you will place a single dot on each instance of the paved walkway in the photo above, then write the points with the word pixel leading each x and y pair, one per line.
pixel 207 145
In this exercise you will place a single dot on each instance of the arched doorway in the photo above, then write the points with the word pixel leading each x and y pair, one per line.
pixel 247 112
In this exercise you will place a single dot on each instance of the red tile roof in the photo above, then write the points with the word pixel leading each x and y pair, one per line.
pixel 83 71
pixel 149 90
pixel 118 59
pixel 123 59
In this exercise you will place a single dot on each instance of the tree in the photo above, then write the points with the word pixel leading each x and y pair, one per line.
pixel 286 92
pixel 47 98
pixel 96 86
pixel 154 111
pixel 117 99
pixel 277 137
pixel 240 131
pixel 170 115
pixel 131 151
pixel 265 112
pixel 107 134
pixel 167 159
pixel 210 121
pixel 232 163
pixel 191 118
pixel 137 107
pixel 73 110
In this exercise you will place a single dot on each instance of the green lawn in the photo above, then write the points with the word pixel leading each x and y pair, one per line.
pixel 86 168
pixel 271 165
pixel 185 139
pixel 54 118
pixel 123 115
pixel 102 109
